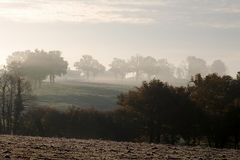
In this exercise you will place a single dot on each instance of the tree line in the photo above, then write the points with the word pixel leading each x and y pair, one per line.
pixel 206 111
pixel 39 65
pixel 146 68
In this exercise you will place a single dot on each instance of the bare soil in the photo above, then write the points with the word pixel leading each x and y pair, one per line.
pixel 31 148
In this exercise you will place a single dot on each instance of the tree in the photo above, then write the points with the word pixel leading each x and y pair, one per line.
pixel 182 71
pixel 119 68
pixel 162 108
pixel 218 67
pixel 217 96
pixel 97 68
pixel 196 66
pixel 57 65
pixel 210 92
pixel 135 64
pixel 19 56
pixel 238 76
pixel 89 66
pixel 37 65
pixel 14 91
pixel 149 66
pixel 165 70
pixel 16 60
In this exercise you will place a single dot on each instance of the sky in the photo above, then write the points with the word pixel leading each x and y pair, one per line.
pixel 172 29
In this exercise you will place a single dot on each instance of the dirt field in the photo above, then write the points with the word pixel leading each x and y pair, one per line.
pixel 18 147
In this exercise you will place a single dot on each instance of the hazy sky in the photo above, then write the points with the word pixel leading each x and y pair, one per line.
pixel 172 29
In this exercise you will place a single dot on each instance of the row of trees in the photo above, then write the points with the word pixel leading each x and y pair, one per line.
pixel 207 111
pixel 149 67
pixel 37 65
pixel 81 123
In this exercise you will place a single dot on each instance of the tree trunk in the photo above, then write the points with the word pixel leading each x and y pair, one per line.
pixel 3 108
pixel 18 105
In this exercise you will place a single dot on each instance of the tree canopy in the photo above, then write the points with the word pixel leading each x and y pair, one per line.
pixel 89 66
pixel 38 65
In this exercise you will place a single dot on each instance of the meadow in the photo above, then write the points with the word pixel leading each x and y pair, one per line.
pixel 102 96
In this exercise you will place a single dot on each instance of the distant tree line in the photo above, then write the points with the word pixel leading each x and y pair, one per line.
pixel 206 112
pixel 146 68
pixel 37 65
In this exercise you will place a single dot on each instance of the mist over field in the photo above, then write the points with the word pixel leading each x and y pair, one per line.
pixel 106 29
pixel 160 78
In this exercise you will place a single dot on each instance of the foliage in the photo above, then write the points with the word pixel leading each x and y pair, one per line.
pixel 157 103
pixel 77 123
pixel 37 65
pixel 207 109
pixel 14 94
pixel 89 66
pixel 119 68
pixel 218 67
pixel 196 66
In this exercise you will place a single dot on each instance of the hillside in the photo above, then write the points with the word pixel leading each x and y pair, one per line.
pixel 21 148
pixel 102 96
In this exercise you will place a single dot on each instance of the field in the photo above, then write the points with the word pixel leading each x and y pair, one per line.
pixel 61 95
pixel 21 148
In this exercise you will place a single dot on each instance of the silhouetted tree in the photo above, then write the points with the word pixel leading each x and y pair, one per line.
pixel 238 76
pixel 217 96
pixel 160 106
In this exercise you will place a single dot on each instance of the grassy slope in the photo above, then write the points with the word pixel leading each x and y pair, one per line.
pixel 81 94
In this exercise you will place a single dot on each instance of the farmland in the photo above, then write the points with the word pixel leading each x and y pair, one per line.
pixel 21 148
pixel 102 96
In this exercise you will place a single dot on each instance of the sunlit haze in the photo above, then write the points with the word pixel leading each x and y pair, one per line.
pixel 172 29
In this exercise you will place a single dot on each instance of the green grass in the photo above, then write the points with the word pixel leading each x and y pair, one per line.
pixel 101 96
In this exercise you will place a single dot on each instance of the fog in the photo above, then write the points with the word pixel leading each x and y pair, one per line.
pixel 108 29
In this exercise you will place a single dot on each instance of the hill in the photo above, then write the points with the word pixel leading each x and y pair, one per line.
pixel 21 148
pixel 102 96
